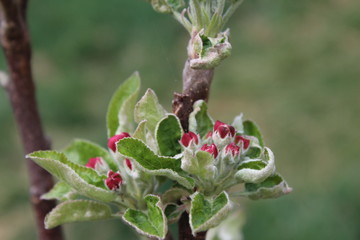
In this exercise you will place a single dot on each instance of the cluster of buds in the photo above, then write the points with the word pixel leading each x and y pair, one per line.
pixel 114 180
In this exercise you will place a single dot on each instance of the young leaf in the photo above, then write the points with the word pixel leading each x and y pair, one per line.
pixel 199 120
pixel 151 223
pixel 255 171
pixel 76 211
pixel 140 132
pixel 174 194
pixel 148 108
pixel 238 123
pixel 61 191
pixel 201 164
pixel 151 163
pixel 173 212
pixel 120 111
pixel 168 134
pixel 80 151
pixel 84 180
pixel 272 187
pixel 206 213
pixel 251 129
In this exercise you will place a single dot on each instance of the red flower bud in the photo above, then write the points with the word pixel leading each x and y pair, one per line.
pixel 114 139
pixel 94 161
pixel 128 163
pixel 224 129
pixel 212 149
pixel 188 137
pixel 245 142
pixel 233 149
pixel 113 180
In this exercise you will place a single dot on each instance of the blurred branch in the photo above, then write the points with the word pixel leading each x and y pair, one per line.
pixel 14 38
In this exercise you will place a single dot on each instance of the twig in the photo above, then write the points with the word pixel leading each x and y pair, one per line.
pixel 15 42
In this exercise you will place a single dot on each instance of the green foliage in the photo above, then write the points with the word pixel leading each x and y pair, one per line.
pixel 61 191
pixel 121 107
pixel 199 120
pixel 168 135
pixel 251 129
pixel 75 211
pixel 152 222
pixel 206 213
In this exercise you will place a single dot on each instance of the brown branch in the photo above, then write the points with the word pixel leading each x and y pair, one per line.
pixel 15 42
pixel 196 86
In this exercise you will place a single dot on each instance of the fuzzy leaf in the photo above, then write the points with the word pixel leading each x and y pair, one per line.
pixel 174 194
pixel 199 120
pixel 251 129
pixel 61 191
pixel 140 132
pixel 148 108
pixel 84 180
pixel 201 164
pixel 151 223
pixel 151 163
pixel 80 151
pixel 255 171
pixel 168 135
pixel 206 213
pixel 120 111
pixel 272 187
pixel 238 123
pixel 76 211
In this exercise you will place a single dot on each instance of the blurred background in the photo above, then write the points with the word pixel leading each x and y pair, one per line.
pixel 294 69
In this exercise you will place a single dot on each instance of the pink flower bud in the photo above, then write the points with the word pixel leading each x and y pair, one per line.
pixel 94 161
pixel 128 163
pixel 188 137
pixel 224 129
pixel 233 149
pixel 114 139
pixel 113 180
pixel 245 142
pixel 212 149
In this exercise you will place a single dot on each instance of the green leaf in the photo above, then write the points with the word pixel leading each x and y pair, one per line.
pixel 202 164
pixel 80 151
pixel 174 194
pixel 61 191
pixel 148 108
pixel 238 124
pixel 151 223
pixel 199 120
pixel 251 129
pixel 120 111
pixel 272 187
pixel 140 132
pixel 76 211
pixel 168 135
pixel 206 213
pixel 151 163
pixel 255 171
pixel 84 180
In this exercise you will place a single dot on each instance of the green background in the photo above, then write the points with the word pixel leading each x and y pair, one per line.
pixel 294 69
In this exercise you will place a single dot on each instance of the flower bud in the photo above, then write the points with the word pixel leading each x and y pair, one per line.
pixel 188 137
pixel 114 139
pixel 98 164
pixel 233 149
pixel 128 163
pixel 113 180
pixel 224 129
pixel 212 149
pixel 244 141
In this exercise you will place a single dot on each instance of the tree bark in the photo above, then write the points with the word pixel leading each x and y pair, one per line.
pixel 20 87
pixel 196 86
